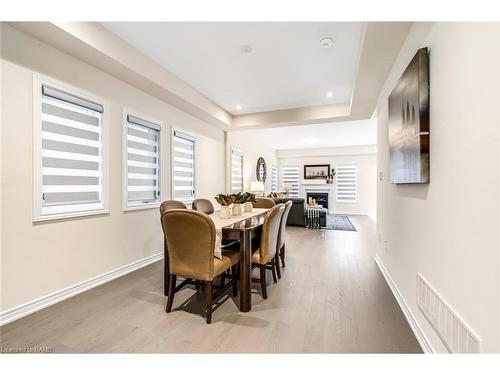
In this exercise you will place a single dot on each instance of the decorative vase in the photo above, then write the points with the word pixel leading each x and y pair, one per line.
pixel 248 207
pixel 225 212
pixel 237 209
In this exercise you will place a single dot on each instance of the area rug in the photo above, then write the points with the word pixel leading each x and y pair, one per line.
pixel 338 222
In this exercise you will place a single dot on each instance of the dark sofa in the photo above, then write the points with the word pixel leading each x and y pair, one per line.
pixel 296 216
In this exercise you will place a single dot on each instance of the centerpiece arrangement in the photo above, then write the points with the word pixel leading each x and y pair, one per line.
pixel 231 204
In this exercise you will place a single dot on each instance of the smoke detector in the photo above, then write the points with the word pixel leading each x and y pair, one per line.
pixel 326 43
pixel 246 49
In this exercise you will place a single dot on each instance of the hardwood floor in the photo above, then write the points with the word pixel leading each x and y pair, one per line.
pixel 331 298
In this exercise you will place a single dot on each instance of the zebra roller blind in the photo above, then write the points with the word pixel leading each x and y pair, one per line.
pixel 143 162
pixel 183 167
pixel 236 171
pixel 71 146
pixel 274 178
pixel 347 181
pixel 291 174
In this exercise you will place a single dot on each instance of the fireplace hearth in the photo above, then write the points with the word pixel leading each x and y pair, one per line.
pixel 321 198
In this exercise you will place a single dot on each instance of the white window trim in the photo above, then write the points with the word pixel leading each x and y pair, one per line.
pixel 235 150
pixel 274 165
pixel 337 185
pixel 280 181
pixel 38 81
pixel 173 129
pixel 143 206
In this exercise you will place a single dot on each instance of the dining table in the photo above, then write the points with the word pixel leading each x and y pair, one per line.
pixel 243 228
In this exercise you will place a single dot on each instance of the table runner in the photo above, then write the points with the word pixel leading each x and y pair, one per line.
pixel 221 223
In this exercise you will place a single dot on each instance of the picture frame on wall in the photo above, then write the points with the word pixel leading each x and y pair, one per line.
pixel 317 171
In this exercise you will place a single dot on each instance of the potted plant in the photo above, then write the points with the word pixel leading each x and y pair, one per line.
pixel 249 200
pixel 225 201
pixel 239 199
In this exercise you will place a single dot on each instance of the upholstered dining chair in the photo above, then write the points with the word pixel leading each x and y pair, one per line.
pixel 265 256
pixel 263 202
pixel 164 206
pixel 280 249
pixel 203 205
pixel 190 237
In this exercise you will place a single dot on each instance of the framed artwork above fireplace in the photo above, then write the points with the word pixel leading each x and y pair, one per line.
pixel 318 171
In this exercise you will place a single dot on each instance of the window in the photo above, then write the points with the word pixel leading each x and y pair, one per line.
pixel 346 183
pixel 274 178
pixel 236 171
pixel 68 155
pixel 183 167
pixel 291 175
pixel 142 174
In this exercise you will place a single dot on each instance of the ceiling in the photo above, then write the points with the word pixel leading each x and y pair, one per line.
pixel 285 69
pixel 340 134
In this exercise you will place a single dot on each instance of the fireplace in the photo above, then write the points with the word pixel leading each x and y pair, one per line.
pixel 321 198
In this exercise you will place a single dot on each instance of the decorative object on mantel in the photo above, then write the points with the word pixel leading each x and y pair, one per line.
pixel 225 201
pixel 261 170
pixel 329 179
pixel 409 123
pixel 317 171
pixel 257 187
pixel 249 199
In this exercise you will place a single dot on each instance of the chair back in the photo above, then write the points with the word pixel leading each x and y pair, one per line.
pixel 270 231
pixel 169 205
pixel 263 202
pixel 190 238
pixel 203 205
pixel 284 218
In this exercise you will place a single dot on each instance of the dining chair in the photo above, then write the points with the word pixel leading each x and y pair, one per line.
pixel 263 202
pixel 190 237
pixel 265 256
pixel 164 206
pixel 203 205
pixel 280 249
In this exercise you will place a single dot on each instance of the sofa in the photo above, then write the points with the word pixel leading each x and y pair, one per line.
pixel 296 215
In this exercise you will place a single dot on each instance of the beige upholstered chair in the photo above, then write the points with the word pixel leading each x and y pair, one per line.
pixel 265 256
pixel 190 238
pixel 280 249
pixel 263 202
pixel 203 205
pixel 168 205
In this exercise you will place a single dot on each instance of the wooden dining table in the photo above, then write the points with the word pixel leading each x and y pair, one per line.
pixel 245 231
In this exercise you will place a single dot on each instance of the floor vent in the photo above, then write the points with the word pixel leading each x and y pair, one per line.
pixel 457 336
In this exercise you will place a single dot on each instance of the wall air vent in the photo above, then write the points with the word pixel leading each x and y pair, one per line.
pixel 456 335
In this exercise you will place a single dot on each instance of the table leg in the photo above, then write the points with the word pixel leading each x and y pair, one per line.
pixel 245 271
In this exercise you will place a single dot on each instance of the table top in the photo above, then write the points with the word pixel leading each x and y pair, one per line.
pixel 247 221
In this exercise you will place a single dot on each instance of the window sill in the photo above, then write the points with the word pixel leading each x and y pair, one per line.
pixel 138 207
pixel 69 215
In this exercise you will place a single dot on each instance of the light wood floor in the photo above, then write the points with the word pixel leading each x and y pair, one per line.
pixel 331 298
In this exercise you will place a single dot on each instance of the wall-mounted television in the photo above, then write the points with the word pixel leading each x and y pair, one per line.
pixel 409 123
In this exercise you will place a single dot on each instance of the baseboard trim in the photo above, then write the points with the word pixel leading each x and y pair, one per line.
pixel 20 311
pixel 412 321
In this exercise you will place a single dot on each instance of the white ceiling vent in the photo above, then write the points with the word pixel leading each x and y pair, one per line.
pixel 456 335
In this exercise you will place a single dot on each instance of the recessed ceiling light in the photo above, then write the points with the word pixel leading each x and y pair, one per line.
pixel 329 94
pixel 246 49
pixel 238 107
pixel 326 43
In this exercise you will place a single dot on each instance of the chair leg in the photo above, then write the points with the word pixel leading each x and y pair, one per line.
pixel 209 302
pixel 171 292
pixel 282 255
pixel 273 270
pixel 234 273
pixel 223 279
pixel 277 264
pixel 263 280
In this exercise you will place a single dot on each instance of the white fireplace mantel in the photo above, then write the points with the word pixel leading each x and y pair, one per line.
pixel 318 187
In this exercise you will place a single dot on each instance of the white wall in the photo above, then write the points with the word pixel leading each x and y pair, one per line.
pixel 38 259
pixel 253 144
pixel 449 229
pixel 364 157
